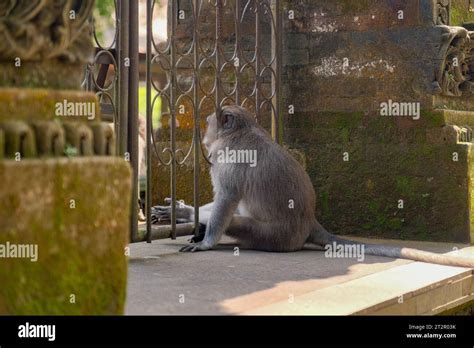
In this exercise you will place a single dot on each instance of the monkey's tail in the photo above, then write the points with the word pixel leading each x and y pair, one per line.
pixel 322 237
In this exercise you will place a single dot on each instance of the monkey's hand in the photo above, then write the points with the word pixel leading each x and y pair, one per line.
pixel 201 246
pixel 161 213
pixel 200 236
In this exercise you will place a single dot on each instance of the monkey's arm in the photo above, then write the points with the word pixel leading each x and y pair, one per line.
pixel 223 209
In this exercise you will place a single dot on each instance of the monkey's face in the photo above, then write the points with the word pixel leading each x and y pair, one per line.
pixel 211 131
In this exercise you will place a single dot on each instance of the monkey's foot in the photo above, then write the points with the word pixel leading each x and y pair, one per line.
pixel 195 247
pixel 162 213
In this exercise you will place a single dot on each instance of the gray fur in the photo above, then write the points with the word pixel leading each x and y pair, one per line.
pixel 251 204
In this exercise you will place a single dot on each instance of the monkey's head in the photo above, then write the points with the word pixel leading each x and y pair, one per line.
pixel 232 118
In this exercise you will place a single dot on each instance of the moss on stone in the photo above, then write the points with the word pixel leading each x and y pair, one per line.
pixel 19 139
pixel 460 118
pixel 50 138
pixel 2 144
pixel 81 249
pixel 80 137
pixel 361 196
pixel 42 74
pixel 355 7
pixel 40 104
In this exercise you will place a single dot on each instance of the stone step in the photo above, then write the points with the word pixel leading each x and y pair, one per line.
pixel 412 289
pixel 458 118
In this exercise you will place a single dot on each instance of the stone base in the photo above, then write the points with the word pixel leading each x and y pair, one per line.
pixel 78 214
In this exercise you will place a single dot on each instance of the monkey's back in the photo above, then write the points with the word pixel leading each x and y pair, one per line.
pixel 277 190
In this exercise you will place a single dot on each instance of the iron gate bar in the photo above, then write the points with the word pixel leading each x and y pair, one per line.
pixel 277 126
pixel 217 58
pixel 257 59
pixel 149 129
pixel 237 52
pixel 197 118
pixel 132 136
pixel 123 52
pixel 174 14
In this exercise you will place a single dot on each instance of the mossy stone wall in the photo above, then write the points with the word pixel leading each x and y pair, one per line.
pixel 390 177
pixel 82 266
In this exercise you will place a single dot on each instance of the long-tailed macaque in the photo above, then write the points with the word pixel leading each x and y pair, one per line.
pixel 263 196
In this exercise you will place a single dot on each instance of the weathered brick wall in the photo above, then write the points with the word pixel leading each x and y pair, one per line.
pixel 374 175
pixel 356 54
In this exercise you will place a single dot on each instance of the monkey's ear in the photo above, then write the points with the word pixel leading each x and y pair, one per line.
pixel 225 119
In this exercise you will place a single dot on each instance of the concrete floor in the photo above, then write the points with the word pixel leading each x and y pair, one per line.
pixel 162 281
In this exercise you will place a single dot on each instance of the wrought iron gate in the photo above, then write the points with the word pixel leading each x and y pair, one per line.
pixel 217 52
pixel 113 76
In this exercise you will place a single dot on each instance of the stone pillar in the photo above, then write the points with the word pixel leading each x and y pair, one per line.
pixel 356 73
pixel 64 200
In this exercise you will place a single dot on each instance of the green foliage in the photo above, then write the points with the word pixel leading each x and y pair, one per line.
pixel 104 18
pixel 156 108
pixel 70 151
pixel 460 15
pixel 105 8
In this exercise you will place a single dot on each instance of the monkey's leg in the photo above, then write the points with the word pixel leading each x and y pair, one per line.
pixel 266 236
pixel 221 215
pixel 204 215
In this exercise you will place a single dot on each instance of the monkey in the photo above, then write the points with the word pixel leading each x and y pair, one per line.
pixel 251 203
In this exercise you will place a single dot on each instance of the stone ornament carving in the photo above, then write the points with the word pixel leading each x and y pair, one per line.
pixel 38 30
pixel 442 12
pixel 455 75
pixel 56 139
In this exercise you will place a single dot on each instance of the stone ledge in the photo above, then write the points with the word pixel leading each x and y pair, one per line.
pixel 40 104
pixel 457 118
pixel 412 289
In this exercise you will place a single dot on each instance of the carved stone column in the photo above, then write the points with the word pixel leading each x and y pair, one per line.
pixel 58 192
pixel 44 43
